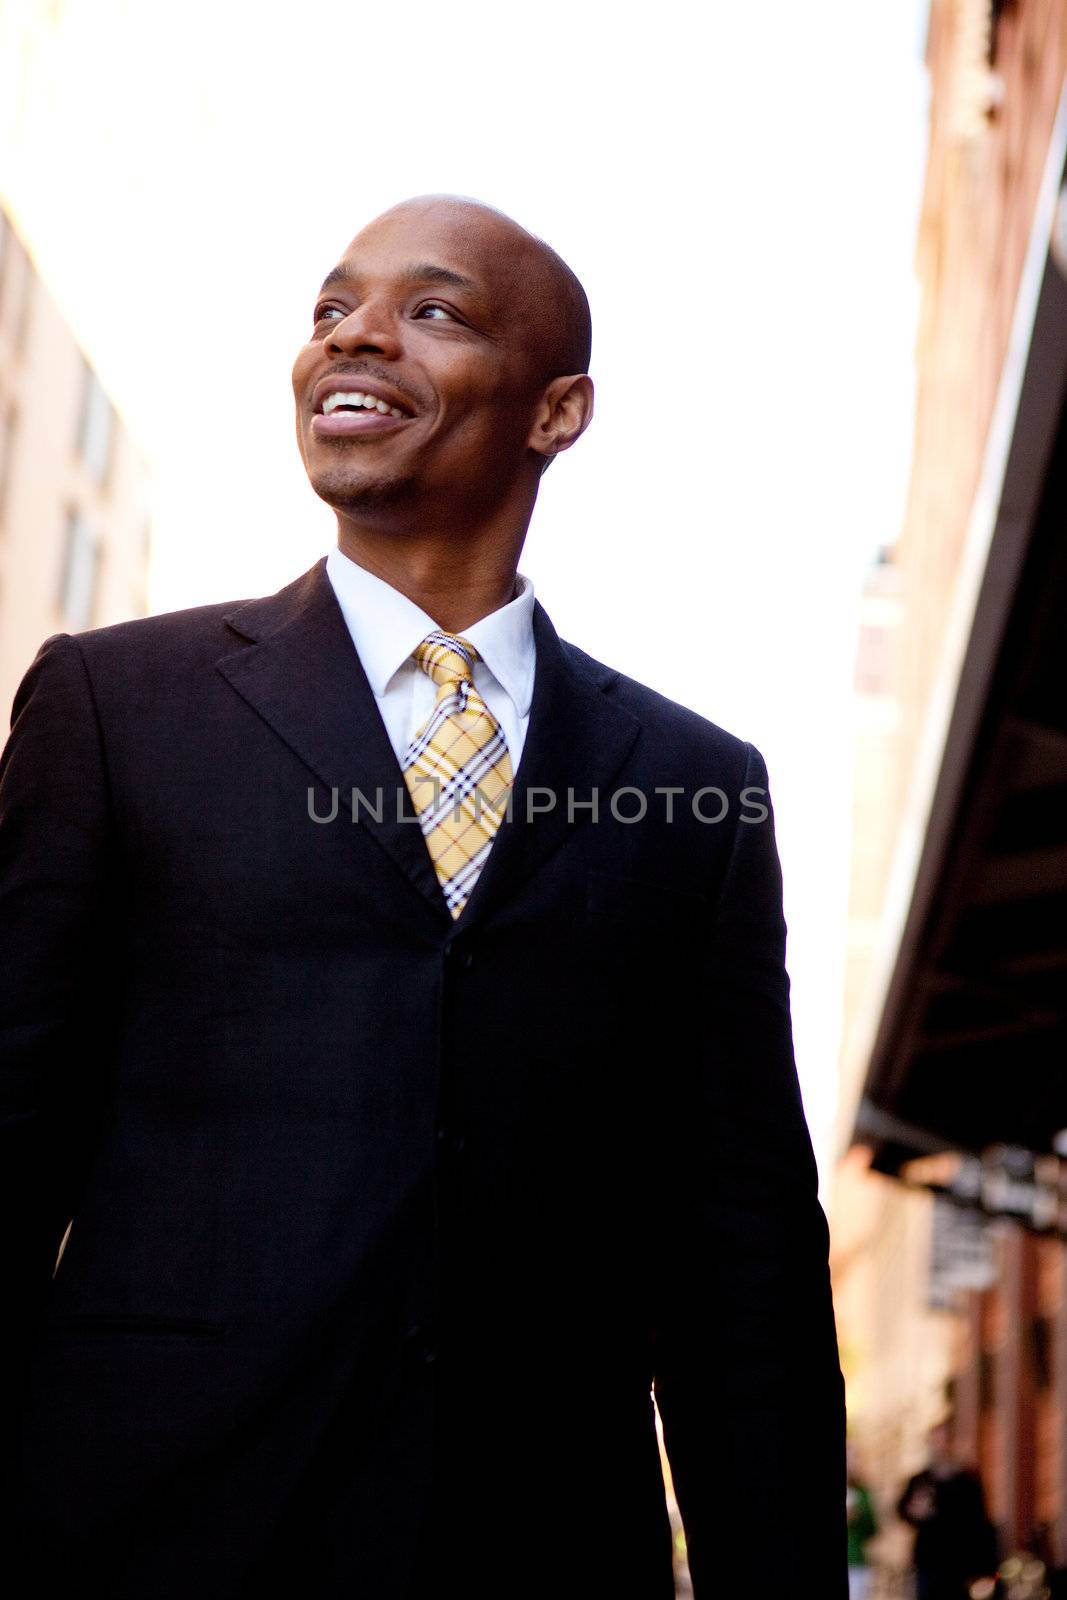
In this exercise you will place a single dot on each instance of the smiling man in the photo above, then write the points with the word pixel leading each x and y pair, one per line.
pixel 394 1010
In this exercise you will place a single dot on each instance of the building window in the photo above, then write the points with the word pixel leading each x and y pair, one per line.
pixel 986 1390
pixel 24 303
pixel 77 579
pixel 16 287
pixel 996 11
pixel 96 426
pixel 977 90
pixel 1041 1343
pixel 7 441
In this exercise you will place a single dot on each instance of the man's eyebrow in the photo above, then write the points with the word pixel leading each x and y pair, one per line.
pixel 419 272
pixel 429 272
pixel 338 275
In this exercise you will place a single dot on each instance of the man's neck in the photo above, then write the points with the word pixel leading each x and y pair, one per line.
pixel 455 592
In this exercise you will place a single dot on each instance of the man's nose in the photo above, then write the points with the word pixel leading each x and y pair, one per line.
pixel 370 329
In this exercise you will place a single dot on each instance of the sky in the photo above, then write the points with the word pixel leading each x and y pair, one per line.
pixel 736 186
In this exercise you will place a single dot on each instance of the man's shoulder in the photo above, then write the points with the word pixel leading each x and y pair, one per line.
pixel 660 717
pixel 160 627
pixel 204 626
pixel 122 657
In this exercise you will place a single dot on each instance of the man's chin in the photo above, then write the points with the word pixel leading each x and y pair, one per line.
pixel 345 490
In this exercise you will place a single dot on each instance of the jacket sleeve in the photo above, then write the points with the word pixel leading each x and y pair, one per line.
pixel 747 1376
pixel 54 966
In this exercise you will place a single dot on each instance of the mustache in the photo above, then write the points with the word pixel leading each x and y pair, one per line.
pixel 368 369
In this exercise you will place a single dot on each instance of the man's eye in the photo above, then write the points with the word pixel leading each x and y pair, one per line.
pixel 322 312
pixel 434 310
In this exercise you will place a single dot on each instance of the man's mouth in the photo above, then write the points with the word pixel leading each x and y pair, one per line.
pixel 342 400
pixel 341 409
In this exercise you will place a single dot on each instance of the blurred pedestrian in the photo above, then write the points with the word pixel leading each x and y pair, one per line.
pixel 862 1526
pixel 955 1541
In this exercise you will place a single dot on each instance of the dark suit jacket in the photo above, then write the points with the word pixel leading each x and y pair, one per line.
pixel 384 1226
pixel 958 1541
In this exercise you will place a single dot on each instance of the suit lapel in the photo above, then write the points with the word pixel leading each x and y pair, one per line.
pixel 302 675
pixel 577 740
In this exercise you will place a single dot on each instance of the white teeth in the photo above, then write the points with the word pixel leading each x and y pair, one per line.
pixel 353 397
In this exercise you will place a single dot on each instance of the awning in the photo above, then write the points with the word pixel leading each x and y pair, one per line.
pixel 969 1037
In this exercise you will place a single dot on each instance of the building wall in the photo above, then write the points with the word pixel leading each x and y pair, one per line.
pixel 989 137
pixel 995 89
pixel 73 488
pixel 1011 1390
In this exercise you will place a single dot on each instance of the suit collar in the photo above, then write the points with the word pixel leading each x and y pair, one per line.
pixel 302 598
pixel 299 671
pixel 576 743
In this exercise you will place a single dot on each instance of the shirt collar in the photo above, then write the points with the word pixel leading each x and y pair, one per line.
pixel 386 627
pixel 505 641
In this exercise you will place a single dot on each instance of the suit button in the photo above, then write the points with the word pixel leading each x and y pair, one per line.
pixel 466 959
pixel 419 1342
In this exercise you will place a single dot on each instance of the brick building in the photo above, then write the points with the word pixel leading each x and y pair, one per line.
pixel 74 522
pixel 949 1210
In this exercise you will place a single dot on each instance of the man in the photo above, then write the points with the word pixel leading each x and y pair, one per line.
pixel 955 1542
pixel 395 1001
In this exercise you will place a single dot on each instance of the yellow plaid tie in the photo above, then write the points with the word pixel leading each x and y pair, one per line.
pixel 457 768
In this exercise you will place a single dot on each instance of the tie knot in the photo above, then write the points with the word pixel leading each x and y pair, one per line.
pixel 447 658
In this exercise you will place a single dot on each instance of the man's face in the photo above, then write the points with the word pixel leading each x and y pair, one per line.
pixel 423 318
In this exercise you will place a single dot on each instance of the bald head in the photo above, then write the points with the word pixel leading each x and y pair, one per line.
pixel 541 288
pixel 473 337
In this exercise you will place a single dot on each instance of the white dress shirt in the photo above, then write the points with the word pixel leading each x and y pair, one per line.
pixel 386 627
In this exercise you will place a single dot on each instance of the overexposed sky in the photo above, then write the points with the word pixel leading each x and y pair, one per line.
pixel 737 187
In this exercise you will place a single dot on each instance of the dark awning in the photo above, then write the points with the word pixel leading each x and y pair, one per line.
pixel 970 1048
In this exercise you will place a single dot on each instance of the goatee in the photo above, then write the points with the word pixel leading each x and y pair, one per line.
pixel 346 490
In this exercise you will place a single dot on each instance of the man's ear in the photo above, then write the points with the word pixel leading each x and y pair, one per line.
pixel 563 414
